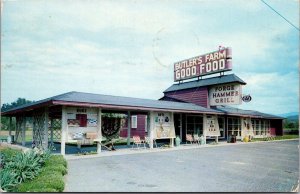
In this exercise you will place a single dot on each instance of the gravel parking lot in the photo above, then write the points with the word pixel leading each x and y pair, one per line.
pixel 252 167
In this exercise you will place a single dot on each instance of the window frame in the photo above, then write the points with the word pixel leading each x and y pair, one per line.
pixel 133 124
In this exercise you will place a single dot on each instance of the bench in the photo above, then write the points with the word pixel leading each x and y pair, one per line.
pixel 3 139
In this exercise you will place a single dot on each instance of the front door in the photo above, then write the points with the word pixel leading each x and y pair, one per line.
pixel 177 125
pixel 221 121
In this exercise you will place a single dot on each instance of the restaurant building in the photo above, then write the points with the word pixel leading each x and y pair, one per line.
pixel 202 106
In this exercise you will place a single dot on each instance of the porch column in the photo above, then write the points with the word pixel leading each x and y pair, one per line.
pixel 64 126
pixel 172 139
pixel 16 128
pixel 10 126
pixel 204 127
pixel 151 129
pixel 51 132
pixel 99 131
pixel 23 127
pixel 46 127
pixel 148 124
pixel 128 127
pixel 180 127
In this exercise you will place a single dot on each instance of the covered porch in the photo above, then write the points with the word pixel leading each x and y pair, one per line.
pixel 56 122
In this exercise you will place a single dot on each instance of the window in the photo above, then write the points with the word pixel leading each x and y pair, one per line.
pixel 194 125
pixel 268 128
pixel 265 127
pixel 221 122
pixel 261 127
pixel 234 126
pixel 134 121
pixel 256 126
pixel 82 119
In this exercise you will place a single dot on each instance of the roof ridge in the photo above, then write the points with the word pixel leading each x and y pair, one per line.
pixel 108 95
pixel 222 79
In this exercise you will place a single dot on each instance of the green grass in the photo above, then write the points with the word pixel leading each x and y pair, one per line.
pixel 50 179
pixel 28 134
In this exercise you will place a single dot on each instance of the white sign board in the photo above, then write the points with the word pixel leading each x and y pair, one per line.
pixel 163 125
pixel 225 94
pixel 247 128
pixel 212 126
pixel 92 120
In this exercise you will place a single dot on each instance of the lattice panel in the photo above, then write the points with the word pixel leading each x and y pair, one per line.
pixel 56 127
pixel 38 129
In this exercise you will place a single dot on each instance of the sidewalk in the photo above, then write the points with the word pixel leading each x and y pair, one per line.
pixel 142 150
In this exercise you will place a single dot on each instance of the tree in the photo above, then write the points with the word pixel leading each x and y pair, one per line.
pixel 18 102
pixel 7 106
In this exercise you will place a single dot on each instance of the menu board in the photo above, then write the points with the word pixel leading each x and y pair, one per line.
pixel 212 126
pixel 163 125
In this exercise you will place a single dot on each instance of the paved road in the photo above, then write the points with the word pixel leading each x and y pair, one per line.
pixel 252 167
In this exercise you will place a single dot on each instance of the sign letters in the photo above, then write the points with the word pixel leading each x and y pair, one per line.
pixel 225 94
pixel 210 63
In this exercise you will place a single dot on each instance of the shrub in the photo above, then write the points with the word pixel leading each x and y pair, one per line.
pixel 8 180
pixel 25 165
pixel 7 155
pixel 33 171
pixel 42 155
pixel 55 160
pixel 50 178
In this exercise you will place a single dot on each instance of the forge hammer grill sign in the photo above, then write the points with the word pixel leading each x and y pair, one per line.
pixel 225 94
pixel 214 62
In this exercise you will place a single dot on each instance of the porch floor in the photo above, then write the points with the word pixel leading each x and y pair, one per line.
pixel 72 149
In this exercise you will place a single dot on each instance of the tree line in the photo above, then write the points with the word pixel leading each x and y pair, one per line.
pixel 8 106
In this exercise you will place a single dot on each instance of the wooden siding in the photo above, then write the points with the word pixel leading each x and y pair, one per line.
pixel 277 124
pixel 140 130
pixel 197 96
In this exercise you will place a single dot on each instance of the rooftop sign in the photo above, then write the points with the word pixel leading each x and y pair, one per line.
pixel 214 62
pixel 225 94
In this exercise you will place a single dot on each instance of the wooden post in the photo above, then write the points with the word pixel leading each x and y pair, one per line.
pixel 23 126
pixel 51 135
pixel 204 128
pixel 46 127
pixel 151 129
pixel 172 139
pixel 128 127
pixel 16 128
pixel 180 127
pixel 148 124
pixel 64 126
pixel 10 126
pixel 99 131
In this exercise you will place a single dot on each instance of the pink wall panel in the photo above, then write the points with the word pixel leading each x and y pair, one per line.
pixel 273 131
pixel 197 96
pixel 140 130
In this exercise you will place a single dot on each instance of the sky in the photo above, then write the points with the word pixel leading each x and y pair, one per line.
pixel 129 47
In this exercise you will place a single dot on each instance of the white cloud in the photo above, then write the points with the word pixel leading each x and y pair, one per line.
pixel 129 47
pixel 272 92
